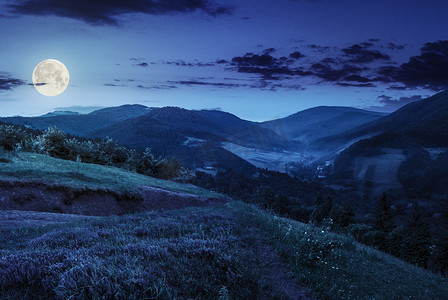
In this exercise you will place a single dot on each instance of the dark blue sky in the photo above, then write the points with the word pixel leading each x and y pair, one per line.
pixel 258 59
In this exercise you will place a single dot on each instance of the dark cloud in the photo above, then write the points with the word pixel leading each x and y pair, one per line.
pixel 157 87
pixel 427 70
pixel 360 65
pixel 397 88
pixel 222 61
pixel 7 83
pixel 359 53
pixel 345 84
pixel 269 51
pixel 267 66
pixel 182 63
pixel 393 46
pixel 203 83
pixel 388 104
pixel 356 78
pixel 328 73
pixel 367 44
pixel 318 48
pixel 114 85
pixel 296 55
pixel 106 12
pixel 140 62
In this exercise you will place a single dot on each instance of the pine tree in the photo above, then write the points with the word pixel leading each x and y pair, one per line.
pixel 321 210
pixel 383 215
pixel 416 244
pixel 439 257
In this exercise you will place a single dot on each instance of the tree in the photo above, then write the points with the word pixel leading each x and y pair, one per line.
pixel 54 142
pixel 416 244
pixel 11 137
pixel 342 216
pixel 439 259
pixel 321 210
pixel 382 218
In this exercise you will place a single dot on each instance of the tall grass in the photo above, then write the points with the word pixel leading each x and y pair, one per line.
pixel 336 267
pixel 195 253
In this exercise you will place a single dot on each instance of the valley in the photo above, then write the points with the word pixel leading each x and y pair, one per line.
pixel 178 187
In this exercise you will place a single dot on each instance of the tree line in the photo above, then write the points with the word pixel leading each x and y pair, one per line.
pixel 56 143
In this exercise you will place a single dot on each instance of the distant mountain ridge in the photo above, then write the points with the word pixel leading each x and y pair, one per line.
pixel 407 143
pixel 196 136
pixel 81 124
pixel 425 121
pixel 60 113
pixel 321 121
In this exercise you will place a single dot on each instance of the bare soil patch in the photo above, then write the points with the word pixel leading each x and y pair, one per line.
pixel 42 197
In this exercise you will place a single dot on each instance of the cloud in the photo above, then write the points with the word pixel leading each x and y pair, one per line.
pixel 393 46
pixel 325 71
pixel 267 66
pixel 204 83
pixel 183 63
pixel 140 62
pixel 318 48
pixel 296 55
pixel 101 12
pixel 428 70
pixel 359 65
pixel 345 84
pixel 388 104
pixel 114 85
pixel 269 51
pixel 356 78
pixel 359 53
pixel 8 83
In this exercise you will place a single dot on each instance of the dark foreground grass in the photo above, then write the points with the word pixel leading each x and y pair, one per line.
pixel 336 267
pixel 198 253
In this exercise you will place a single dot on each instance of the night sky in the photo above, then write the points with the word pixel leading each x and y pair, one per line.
pixel 258 59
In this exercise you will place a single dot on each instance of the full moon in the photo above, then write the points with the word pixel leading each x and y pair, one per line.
pixel 50 77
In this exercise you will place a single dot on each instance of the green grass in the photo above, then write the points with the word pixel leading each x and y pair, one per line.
pixel 198 253
pixel 336 267
pixel 43 168
pixel 195 253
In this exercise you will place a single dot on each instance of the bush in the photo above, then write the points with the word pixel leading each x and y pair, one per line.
pixel 12 137
pixel 54 143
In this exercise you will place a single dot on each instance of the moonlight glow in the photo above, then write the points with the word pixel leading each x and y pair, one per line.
pixel 50 77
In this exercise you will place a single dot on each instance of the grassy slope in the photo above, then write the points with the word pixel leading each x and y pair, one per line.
pixel 200 253
pixel 337 267
pixel 42 168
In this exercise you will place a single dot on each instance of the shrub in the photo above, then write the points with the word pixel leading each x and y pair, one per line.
pixel 12 137
pixel 54 143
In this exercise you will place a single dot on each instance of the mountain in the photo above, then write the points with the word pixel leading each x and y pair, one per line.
pixel 424 122
pixel 319 122
pixel 60 113
pixel 220 126
pixel 81 124
pixel 408 147
pixel 194 137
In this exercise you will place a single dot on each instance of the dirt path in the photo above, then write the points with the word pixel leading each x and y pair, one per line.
pixel 277 272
